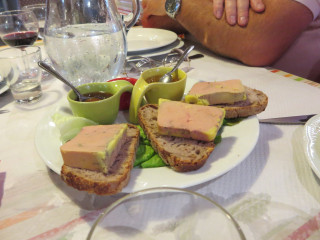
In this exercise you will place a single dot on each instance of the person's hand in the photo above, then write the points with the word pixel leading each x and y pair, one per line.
pixel 237 11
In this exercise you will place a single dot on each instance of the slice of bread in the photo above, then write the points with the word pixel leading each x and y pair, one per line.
pixel 255 103
pixel 117 177
pixel 181 154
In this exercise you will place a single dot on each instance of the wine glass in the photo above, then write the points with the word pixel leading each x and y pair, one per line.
pixel 18 27
pixel 39 11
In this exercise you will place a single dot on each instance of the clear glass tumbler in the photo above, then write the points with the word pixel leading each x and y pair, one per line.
pixel 20 70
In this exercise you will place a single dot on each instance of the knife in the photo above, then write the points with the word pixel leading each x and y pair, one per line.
pixel 301 119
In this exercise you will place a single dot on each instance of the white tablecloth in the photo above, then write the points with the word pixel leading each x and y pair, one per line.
pixel 273 193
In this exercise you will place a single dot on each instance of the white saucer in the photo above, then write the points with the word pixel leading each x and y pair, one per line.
pixel 311 143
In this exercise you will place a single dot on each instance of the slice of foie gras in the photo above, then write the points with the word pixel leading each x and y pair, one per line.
pixel 189 120
pixel 95 147
pixel 222 92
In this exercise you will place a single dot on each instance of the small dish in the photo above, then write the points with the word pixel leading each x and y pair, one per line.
pixel 311 143
pixel 165 213
pixel 103 111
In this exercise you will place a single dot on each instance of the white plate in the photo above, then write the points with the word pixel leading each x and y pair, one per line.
pixel 311 141
pixel 159 51
pixel 142 39
pixel 237 142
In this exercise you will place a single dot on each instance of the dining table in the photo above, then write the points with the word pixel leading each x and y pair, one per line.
pixel 272 192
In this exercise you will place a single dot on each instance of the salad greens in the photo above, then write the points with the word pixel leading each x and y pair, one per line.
pixel 146 157
pixel 154 161
pixel 69 126
pixel 231 121
pixel 144 153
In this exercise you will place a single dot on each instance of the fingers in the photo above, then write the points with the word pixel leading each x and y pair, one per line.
pixel 243 12
pixel 231 11
pixel 237 11
pixel 257 5
pixel 218 8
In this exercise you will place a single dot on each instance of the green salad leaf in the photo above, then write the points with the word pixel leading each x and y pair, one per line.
pixel 231 121
pixel 69 126
pixel 146 157
pixel 217 139
pixel 144 153
pixel 154 161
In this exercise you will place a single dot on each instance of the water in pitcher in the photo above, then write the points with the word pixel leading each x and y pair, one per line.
pixel 87 52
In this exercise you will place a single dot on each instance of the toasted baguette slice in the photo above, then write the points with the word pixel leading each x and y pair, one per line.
pixel 117 177
pixel 181 154
pixel 255 103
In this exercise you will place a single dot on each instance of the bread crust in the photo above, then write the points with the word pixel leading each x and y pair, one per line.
pixel 180 154
pixel 116 179
pixel 256 103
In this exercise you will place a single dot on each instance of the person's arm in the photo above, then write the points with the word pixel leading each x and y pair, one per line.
pixel 154 16
pixel 260 43
pixel 236 11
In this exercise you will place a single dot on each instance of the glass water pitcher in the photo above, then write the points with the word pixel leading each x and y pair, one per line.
pixel 86 39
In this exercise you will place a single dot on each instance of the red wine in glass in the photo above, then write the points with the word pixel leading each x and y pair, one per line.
pixel 20 38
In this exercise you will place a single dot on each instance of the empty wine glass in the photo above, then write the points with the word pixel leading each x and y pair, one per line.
pixel 18 27
pixel 39 11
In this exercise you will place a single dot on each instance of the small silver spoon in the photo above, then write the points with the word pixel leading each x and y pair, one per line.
pixel 167 77
pixel 52 71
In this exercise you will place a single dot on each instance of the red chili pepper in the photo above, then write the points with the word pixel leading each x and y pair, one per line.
pixel 126 96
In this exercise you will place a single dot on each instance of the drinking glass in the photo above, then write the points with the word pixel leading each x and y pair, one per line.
pixel 86 39
pixel 165 213
pixel 24 80
pixel 39 11
pixel 18 27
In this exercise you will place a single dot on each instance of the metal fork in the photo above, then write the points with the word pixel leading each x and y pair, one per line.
pixel 142 62
pixel 145 60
